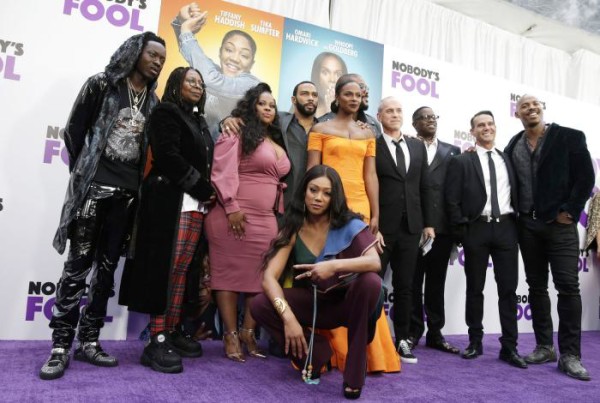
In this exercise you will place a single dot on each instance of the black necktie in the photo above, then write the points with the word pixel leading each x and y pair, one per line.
pixel 400 162
pixel 494 186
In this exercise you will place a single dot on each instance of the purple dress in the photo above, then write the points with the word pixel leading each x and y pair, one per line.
pixel 252 184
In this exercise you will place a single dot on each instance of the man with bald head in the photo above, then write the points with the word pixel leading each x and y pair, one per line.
pixel 555 177
pixel 405 211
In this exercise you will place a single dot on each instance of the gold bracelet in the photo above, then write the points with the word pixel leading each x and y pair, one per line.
pixel 280 305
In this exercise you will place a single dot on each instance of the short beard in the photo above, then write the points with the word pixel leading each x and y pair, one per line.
pixel 302 110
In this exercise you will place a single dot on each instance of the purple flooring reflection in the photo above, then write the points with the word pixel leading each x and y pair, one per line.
pixel 437 377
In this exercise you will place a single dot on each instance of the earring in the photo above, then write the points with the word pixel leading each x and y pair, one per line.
pixel 337 103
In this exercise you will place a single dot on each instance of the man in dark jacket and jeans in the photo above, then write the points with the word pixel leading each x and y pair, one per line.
pixel 107 146
pixel 555 177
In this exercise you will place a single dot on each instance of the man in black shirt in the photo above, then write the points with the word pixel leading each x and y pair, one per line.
pixel 555 178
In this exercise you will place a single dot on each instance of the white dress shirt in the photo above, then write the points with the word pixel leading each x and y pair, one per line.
pixel 502 181
pixel 431 149
pixel 389 140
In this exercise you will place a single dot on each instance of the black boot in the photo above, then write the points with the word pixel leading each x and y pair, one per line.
pixel 56 364
pixel 160 357
pixel 183 344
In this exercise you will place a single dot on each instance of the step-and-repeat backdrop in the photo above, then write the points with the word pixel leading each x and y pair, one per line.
pixel 42 69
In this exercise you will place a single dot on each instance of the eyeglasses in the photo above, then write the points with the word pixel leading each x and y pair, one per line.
pixel 196 84
pixel 427 117
pixel 363 86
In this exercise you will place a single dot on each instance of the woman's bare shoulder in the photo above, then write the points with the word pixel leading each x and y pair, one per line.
pixel 362 131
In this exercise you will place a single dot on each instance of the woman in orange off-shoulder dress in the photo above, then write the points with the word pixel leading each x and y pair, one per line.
pixel 349 148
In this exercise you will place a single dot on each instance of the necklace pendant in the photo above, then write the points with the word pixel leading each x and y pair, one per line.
pixel 134 108
pixel 136 100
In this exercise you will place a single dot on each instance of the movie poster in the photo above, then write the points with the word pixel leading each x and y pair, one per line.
pixel 322 56
pixel 235 49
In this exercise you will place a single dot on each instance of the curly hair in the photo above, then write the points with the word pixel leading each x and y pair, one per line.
pixel 339 212
pixel 253 131
pixel 173 89
pixel 123 61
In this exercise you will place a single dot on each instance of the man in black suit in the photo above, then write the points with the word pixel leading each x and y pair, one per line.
pixel 555 176
pixel 480 191
pixel 405 209
pixel 433 266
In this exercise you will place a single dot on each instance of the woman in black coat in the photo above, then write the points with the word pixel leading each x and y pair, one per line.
pixel 174 196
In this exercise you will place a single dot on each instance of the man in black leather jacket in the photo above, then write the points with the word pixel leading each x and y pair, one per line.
pixel 105 139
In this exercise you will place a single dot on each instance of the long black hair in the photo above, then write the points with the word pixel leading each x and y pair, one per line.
pixel 253 131
pixel 173 90
pixel 339 212
pixel 316 69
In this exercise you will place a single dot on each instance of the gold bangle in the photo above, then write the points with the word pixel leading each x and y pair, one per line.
pixel 280 305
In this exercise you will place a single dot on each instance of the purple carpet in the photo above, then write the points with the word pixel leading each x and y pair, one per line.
pixel 437 377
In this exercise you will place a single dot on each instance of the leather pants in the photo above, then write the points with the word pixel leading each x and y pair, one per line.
pixel 97 235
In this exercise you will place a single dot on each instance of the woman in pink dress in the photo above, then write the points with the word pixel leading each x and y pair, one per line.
pixel 246 175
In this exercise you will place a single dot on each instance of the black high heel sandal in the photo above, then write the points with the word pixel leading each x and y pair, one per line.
pixel 350 392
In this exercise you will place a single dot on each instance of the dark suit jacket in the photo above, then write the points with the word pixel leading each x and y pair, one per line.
pixel 394 186
pixel 296 151
pixel 437 176
pixel 565 176
pixel 465 189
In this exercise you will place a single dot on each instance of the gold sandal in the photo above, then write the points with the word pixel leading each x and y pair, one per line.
pixel 233 349
pixel 248 338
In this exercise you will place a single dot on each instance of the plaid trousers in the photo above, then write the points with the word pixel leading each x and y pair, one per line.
pixel 190 229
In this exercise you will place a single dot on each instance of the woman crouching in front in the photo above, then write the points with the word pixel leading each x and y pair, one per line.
pixel 335 284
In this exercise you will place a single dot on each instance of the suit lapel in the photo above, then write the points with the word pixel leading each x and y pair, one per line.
pixel 383 147
pixel 550 137
pixel 285 123
pixel 477 164
pixel 512 179
pixel 412 149
pixel 440 155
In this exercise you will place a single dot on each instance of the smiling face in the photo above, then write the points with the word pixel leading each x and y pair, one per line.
pixel 390 115
pixel 317 197
pixel 530 111
pixel 425 123
pixel 484 131
pixel 236 56
pixel 349 97
pixel 266 108
pixel 151 61
pixel 192 87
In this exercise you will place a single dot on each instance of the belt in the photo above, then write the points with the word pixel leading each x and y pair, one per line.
pixel 489 218
pixel 530 214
